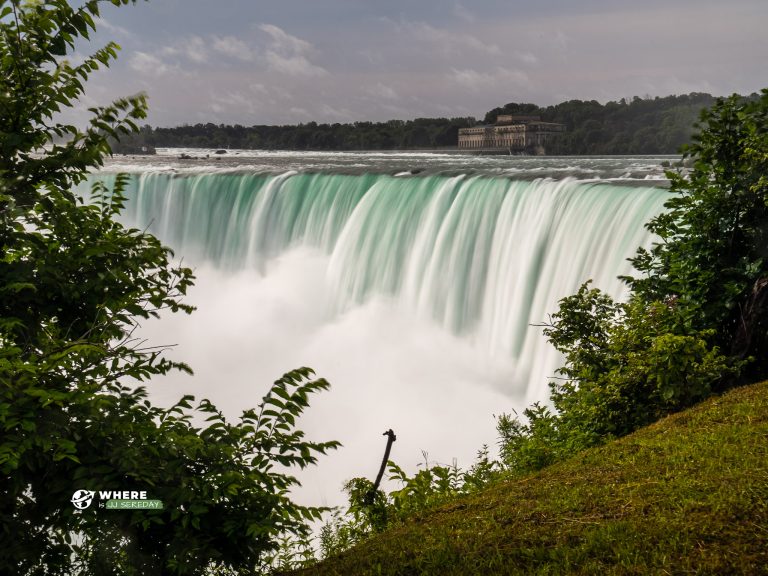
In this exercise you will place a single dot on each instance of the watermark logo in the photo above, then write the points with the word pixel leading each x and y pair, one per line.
pixel 82 499
pixel 116 500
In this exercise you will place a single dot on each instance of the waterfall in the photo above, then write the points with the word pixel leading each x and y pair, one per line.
pixel 414 295
pixel 484 257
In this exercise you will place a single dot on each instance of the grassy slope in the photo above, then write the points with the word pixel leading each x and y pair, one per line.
pixel 688 495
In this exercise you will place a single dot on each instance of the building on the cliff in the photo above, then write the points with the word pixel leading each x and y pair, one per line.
pixel 522 134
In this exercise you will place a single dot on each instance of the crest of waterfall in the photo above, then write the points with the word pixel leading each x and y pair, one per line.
pixel 485 257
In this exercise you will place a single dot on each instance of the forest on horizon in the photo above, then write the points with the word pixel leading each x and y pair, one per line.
pixel 659 125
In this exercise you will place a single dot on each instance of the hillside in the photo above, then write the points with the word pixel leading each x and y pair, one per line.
pixel 687 495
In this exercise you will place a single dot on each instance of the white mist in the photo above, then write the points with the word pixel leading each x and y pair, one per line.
pixel 413 296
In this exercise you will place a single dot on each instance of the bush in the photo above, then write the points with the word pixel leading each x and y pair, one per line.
pixel 712 260
pixel 697 318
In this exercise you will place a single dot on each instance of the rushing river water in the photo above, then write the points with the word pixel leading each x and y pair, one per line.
pixel 412 282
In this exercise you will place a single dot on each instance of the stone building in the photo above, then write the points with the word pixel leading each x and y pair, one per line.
pixel 511 133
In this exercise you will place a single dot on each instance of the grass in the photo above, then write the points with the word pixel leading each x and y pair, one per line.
pixel 687 495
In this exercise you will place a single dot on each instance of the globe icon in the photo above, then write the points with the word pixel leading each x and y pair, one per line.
pixel 82 499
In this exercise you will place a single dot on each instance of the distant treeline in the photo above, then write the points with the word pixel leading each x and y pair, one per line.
pixel 391 135
pixel 638 126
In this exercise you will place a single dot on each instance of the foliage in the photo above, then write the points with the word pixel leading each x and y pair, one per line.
pixel 429 486
pixel 714 235
pixel 367 508
pixel 624 367
pixel 697 318
pixel 687 495
pixel 292 552
pixel 533 445
pixel 436 484
pixel 363 517
pixel 74 287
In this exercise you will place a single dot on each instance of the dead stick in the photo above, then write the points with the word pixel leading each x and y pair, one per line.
pixel 390 439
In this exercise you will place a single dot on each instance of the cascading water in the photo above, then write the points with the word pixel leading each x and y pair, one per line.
pixel 415 296
pixel 484 257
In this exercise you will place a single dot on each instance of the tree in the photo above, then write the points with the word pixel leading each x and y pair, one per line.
pixel 712 260
pixel 74 286
pixel 697 317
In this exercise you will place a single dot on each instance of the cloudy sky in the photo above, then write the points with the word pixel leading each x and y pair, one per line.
pixel 289 61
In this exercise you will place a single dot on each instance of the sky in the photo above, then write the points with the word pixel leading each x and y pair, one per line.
pixel 290 61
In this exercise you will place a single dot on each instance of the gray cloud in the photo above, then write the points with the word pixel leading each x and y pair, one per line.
pixel 233 47
pixel 448 41
pixel 149 65
pixel 333 60
pixel 462 13
pixel 290 55
pixel 381 91
pixel 194 49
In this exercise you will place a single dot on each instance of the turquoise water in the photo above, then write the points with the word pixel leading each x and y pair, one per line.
pixel 483 257
pixel 416 296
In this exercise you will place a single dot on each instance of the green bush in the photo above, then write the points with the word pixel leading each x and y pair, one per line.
pixel 641 369
pixel 713 255
pixel 532 444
